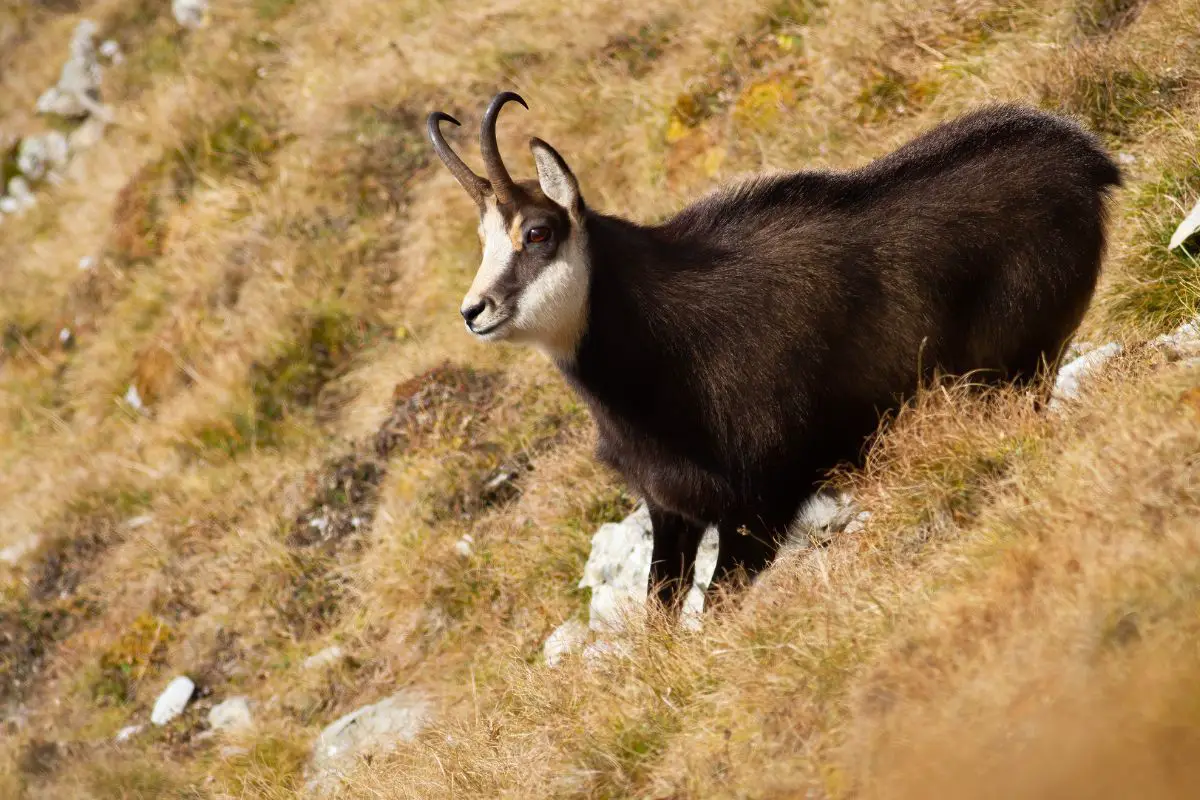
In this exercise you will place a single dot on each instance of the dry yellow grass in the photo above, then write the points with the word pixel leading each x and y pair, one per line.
pixel 277 266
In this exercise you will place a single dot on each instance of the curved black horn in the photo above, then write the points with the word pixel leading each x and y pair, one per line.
pixel 476 186
pixel 502 182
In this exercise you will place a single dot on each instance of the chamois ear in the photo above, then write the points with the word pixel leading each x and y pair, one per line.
pixel 555 177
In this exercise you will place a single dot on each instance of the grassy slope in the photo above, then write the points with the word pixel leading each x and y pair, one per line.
pixel 277 267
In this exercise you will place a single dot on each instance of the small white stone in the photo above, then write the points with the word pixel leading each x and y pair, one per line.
pixel 133 523
pixel 190 13
pixel 18 550
pixel 111 49
pixel 31 157
pixel 230 715
pixel 465 546
pixel 1126 159
pixel 128 732
pixel 859 523
pixel 133 398
pixel 21 194
pixel 64 335
pixel 85 263
pixel 324 658
pixel 565 639
pixel 1070 379
pixel 173 700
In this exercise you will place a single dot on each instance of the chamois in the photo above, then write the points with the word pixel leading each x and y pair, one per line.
pixel 736 352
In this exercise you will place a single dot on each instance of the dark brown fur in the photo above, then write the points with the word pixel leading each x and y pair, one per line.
pixel 738 351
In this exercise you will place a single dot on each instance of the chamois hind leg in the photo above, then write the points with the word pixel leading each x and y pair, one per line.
pixel 673 560
pixel 743 551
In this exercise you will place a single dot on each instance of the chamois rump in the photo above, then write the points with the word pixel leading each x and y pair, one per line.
pixel 736 352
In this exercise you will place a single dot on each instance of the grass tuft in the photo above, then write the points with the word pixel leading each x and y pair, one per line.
pixel 1159 289
pixel 1106 16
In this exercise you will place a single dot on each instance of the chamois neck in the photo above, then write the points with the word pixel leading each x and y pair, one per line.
pixel 624 357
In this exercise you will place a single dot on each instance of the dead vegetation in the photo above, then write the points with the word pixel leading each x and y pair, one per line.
pixel 275 268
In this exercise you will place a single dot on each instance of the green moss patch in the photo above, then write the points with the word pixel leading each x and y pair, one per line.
pixel 133 658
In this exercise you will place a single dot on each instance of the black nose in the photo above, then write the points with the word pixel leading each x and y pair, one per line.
pixel 470 313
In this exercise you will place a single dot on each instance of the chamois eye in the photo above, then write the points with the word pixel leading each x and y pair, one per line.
pixel 538 235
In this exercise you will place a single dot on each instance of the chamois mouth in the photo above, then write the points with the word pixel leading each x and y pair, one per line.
pixel 490 330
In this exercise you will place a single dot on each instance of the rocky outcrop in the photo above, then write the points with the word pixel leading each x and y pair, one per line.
pixel 77 93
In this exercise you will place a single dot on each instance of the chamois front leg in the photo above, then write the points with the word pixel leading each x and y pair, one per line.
pixel 743 551
pixel 673 560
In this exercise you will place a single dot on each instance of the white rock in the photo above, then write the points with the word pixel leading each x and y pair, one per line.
pixel 128 732
pixel 173 700
pixel 602 649
pixel 859 523
pixel 111 49
pixel 706 565
pixel 133 398
pixel 21 196
pixel 824 515
pixel 1071 377
pixel 64 336
pixel 38 155
pixel 1186 228
pixel 18 550
pixel 86 263
pixel 77 93
pixel 140 521
pixel 1181 343
pixel 1125 159
pixel 618 570
pixel 190 13
pixel 465 546
pixel 324 658
pixel 566 638
pixel 31 157
pixel 231 715
pixel 370 730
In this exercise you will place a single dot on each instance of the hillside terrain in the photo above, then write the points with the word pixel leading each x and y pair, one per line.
pixel 245 440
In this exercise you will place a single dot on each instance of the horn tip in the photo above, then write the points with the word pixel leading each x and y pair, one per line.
pixel 441 116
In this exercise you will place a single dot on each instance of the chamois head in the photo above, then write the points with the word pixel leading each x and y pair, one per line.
pixel 533 281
